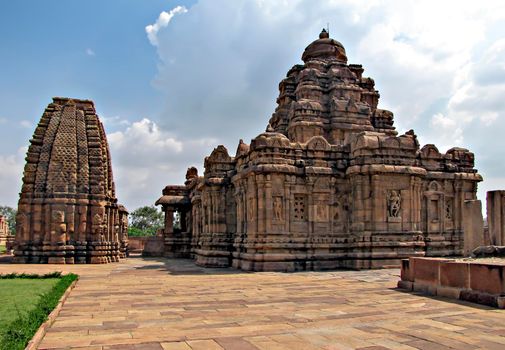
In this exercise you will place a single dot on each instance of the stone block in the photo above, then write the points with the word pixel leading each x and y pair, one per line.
pixel 454 274
pixel 407 285
pixel 407 270
pixel 495 205
pixel 448 292
pixel 473 226
pixel 487 278
pixel 425 288
pixel 427 270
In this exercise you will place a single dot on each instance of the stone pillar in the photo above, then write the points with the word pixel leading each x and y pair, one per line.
pixel 473 226
pixel 169 221
pixel 495 217
pixel 269 208
pixel 183 218
pixel 260 207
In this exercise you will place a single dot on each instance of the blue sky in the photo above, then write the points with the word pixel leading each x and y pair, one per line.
pixel 207 71
pixel 92 49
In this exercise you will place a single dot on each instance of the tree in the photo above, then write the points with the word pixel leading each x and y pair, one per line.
pixel 146 219
pixel 10 215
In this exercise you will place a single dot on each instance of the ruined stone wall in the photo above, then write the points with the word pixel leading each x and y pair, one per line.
pixel 67 211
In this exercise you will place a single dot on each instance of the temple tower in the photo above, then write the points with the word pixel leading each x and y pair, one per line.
pixel 67 210
pixel 329 184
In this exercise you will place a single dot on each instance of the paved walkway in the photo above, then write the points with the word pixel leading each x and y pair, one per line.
pixel 172 304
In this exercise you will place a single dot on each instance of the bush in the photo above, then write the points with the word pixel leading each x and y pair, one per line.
pixel 136 232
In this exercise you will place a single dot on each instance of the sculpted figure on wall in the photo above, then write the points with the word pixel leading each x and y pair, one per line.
pixel 59 228
pixel 394 204
pixel 278 208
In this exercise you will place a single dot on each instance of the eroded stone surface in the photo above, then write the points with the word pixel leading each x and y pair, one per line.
pixel 68 211
pixel 329 184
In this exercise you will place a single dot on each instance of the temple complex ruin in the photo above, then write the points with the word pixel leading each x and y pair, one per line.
pixel 68 211
pixel 4 230
pixel 329 184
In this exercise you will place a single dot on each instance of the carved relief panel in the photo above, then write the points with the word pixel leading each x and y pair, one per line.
pixel 278 208
pixel 394 205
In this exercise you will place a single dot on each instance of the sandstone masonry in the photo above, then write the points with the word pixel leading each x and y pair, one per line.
pixel 329 184
pixel 68 211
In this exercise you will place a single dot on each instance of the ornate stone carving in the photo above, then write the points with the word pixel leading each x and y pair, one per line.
pixel 58 227
pixel 394 204
pixel 278 208
pixel 67 182
pixel 448 208
pixel 4 230
pixel 329 184
pixel 299 213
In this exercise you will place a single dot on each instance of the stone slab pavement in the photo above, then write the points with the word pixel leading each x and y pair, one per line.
pixel 157 303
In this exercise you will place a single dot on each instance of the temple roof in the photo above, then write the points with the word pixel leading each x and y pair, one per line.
pixel 325 48
pixel 69 154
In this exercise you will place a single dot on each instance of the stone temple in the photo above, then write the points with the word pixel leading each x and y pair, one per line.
pixel 4 229
pixel 329 184
pixel 68 211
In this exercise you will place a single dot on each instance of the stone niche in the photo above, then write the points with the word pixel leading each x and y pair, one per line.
pixel 68 211
pixel 329 184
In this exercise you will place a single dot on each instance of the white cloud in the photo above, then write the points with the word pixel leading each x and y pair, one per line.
pixel 26 124
pixel 11 171
pixel 162 21
pixel 146 158
pixel 145 136
pixel 449 131
pixel 439 67
pixel 114 121
pixel 220 66
pixel 90 52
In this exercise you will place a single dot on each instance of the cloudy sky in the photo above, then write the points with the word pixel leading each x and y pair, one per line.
pixel 173 79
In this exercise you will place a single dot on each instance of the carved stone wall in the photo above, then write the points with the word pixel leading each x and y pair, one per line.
pixel 4 230
pixel 68 211
pixel 329 184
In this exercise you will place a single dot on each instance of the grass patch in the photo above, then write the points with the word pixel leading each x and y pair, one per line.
pixel 27 300
pixel 2 249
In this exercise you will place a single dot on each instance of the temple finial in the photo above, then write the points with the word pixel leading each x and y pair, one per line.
pixel 324 34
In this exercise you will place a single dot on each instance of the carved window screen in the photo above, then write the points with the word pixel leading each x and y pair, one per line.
pixel 299 208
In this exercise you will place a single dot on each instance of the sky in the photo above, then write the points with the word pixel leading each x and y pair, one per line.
pixel 171 80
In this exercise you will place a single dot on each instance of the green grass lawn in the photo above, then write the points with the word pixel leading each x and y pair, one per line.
pixel 2 249
pixel 25 302
pixel 21 295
